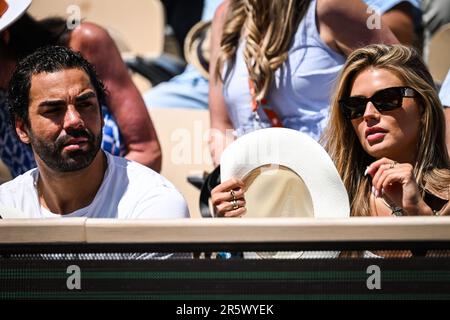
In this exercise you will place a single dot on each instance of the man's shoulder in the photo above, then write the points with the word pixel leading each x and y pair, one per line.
pixel 143 192
pixel 21 182
pixel 17 192
pixel 137 173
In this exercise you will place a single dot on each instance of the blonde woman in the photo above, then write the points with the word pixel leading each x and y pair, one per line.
pixel 387 134
pixel 274 63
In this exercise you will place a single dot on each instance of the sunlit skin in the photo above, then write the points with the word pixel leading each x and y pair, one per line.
pixel 222 197
pixel 399 128
pixel 62 102
pixel 391 137
pixel 63 107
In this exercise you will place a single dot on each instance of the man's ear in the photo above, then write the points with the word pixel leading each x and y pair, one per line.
pixel 22 131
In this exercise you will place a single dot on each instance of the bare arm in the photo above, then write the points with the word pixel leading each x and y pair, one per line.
pixel 401 21
pixel 220 121
pixel 124 99
pixel 346 25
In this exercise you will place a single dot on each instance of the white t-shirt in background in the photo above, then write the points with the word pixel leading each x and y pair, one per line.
pixel 129 191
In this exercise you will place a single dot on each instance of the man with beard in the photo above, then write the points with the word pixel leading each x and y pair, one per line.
pixel 54 103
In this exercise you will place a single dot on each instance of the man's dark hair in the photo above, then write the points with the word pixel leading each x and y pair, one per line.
pixel 49 60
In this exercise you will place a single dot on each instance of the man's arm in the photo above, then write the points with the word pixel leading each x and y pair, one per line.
pixel 345 25
pixel 400 20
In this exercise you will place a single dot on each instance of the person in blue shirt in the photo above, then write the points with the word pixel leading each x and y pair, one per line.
pixel 190 88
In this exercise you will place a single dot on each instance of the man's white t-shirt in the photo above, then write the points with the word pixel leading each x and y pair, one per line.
pixel 129 191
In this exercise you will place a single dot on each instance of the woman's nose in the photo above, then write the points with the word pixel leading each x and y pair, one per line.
pixel 371 111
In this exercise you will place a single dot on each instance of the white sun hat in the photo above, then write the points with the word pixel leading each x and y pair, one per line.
pixel 286 174
pixel 11 11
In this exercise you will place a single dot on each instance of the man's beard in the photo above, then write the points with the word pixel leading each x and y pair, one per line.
pixel 53 156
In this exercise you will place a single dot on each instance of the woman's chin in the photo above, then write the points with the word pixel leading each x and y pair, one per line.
pixel 378 150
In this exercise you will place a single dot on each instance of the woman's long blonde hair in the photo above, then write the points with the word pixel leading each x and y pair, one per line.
pixel 432 161
pixel 268 27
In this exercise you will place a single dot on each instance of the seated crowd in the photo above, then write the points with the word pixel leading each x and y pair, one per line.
pixel 369 100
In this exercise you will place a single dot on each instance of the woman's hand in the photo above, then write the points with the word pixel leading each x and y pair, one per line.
pixel 228 198
pixel 397 182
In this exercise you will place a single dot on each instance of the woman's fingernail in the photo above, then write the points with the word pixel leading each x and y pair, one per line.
pixel 373 190
pixel 367 170
pixel 382 191
pixel 377 194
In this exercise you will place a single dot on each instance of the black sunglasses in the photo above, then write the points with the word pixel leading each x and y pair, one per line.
pixel 384 100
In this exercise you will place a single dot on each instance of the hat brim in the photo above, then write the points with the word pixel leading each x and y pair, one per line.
pixel 16 8
pixel 192 47
pixel 296 151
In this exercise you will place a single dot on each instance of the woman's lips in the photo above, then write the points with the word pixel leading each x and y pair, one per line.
pixel 375 134
pixel 375 137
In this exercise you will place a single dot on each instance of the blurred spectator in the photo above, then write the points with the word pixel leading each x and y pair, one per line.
pixel 284 71
pixel 436 13
pixel 403 17
pixel 190 88
pixel 181 16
